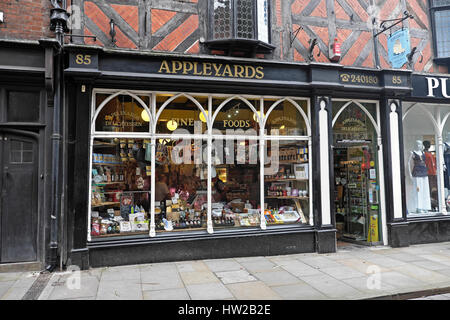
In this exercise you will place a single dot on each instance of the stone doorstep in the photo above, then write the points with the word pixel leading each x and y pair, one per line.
pixel 413 295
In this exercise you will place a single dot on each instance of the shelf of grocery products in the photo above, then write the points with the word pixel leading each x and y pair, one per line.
pixel 108 183
pixel 196 228
pixel 286 197
pixel 291 162
pixel 282 180
pixel 104 144
pixel 108 164
pixel 121 234
pixel 105 204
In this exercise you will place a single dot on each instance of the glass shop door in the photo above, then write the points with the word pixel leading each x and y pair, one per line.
pixel 357 180
pixel 356 193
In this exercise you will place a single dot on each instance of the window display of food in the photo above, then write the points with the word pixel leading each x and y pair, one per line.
pixel 287 185
pixel 144 162
pixel 181 201
pixel 120 188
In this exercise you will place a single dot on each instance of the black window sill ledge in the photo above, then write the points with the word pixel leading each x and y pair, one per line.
pixel 246 45
pixel 437 217
pixel 197 235
pixel 442 60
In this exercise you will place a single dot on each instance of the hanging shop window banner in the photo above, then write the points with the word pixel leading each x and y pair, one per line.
pixel 398 48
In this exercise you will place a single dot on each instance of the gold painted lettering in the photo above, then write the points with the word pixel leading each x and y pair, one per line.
pixel 187 66
pixel 195 70
pixel 247 74
pixel 79 59
pixel 248 123
pixel 225 123
pixel 227 70
pixel 260 73
pixel 207 68
pixel 217 69
pixel 164 67
pixel 176 66
pixel 240 72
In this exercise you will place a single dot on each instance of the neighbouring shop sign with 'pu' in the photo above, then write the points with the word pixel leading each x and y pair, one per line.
pixel 398 48
pixel 431 87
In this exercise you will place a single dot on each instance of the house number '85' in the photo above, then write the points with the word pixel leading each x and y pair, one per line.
pixel 83 59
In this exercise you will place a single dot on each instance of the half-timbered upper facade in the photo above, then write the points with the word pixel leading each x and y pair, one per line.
pixel 183 26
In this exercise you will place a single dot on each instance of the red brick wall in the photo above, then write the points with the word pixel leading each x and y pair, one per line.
pixel 171 38
pixel 25 19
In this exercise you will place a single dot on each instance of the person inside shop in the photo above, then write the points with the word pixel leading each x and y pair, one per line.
pixel 161 188
pixel 219 186
pixel 255 191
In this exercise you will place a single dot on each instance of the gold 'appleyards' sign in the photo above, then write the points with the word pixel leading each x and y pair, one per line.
pixel 211 69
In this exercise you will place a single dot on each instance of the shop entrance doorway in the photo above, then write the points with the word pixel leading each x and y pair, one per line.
pixel 18 197
pixel 358 196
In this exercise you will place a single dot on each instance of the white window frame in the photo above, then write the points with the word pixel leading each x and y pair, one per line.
pixel 438 124
pixel 152 135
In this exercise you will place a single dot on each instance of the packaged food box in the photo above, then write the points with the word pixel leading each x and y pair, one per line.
pixel 139 226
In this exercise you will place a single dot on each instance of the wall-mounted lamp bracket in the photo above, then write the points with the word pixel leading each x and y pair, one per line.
pixel 112 31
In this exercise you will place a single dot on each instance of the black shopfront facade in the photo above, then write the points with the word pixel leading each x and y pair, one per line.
pixel 123 117
pixel 331 127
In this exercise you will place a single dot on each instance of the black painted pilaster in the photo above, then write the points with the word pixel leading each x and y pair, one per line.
pixel 79 146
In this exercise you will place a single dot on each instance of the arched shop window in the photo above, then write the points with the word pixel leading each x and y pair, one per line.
pixel 287 178
pixel 236 114
pixel 123 113
pixel 150 154
pixel 426 143
pixel 120 164
pixel 286 117
pixel 357 165
pixel 181 201
pixel 181 111
pixel 236 200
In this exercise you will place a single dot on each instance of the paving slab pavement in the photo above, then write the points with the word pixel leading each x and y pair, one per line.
pixel 353 272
